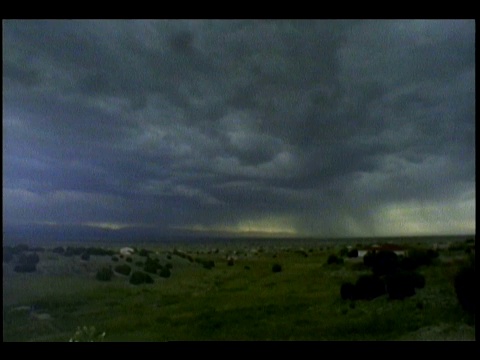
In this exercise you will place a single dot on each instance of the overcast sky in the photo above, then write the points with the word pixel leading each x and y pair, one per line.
pixel 294 128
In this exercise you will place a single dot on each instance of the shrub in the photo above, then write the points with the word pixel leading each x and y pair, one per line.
pixel 25 268
pixel 169 265
pixel 139 277
pixel 353 253
pixel 139 263
pixel 465 286
pixel 369 287
pixel 246 267
pixel 417 258
pixel 58 250
pixel 369 259
pixel 69 251
pixel 385 262
pixel 104 274
pixel 143 252
pixel 28 259
pixel 17 249
pixel 402 284
pixel 123 269
pixel 343 251
pixel 38 249
pixel 334 259
pixel 129 259
pixel 230 262
pixel 169 257
pixel 348 291
pixel 85 256
pixel 276 268
pixel 100 251
pixel 165 272
pixel 114 259
pixel 151 267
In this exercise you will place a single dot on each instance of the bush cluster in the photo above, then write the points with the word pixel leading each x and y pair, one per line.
pixel 123 269
pixel 391 274
pixel 152 265
pixel 207 264
pixel 165 272
pixel 183 255
pixel 276 268
pixel 334 259
pixel 139 277
pixel 27 262
pixel 465 286
pixel 352 253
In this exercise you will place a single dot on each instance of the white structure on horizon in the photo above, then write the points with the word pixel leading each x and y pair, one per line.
pixel 126 251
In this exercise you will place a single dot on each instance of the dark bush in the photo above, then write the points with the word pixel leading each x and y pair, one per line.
pixel 385 262
pixel 151 267
pixel 85 256
pixel 20 248
pixel 369 258
pixel 114 258
pixel 129 259
pixel 369 287
pixel 230 262
pixel 25 268
pixel 169 257
pixel 343 251
pixel 334 259
pixel 139 277
pixel 276 268
pixel 25 262
pixel 143 252
pixel 123 269
pixel 169 265
pixel 38 249
pixel 27 259
pixel 104 274
pixel 465 286
pixel 100 251
pixel 165 272
pixel 58 250
pixel 246 267
pixel 402 284
pixel 69 251
pixel 353 253
pixel 417 258
pixel 139 263
pixel 348 291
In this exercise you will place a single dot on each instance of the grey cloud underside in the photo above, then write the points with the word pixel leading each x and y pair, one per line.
pixel 218 121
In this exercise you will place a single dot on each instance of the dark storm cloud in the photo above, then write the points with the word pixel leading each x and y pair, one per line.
pixel 315 127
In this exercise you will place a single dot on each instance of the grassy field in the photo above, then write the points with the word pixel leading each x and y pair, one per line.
pixel 243 301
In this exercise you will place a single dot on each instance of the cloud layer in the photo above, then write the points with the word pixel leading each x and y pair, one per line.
pixel 321 128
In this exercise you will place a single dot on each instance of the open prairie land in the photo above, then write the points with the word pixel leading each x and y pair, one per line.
pixel 228 291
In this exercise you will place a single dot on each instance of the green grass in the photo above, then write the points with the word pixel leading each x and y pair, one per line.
pixel 302 302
